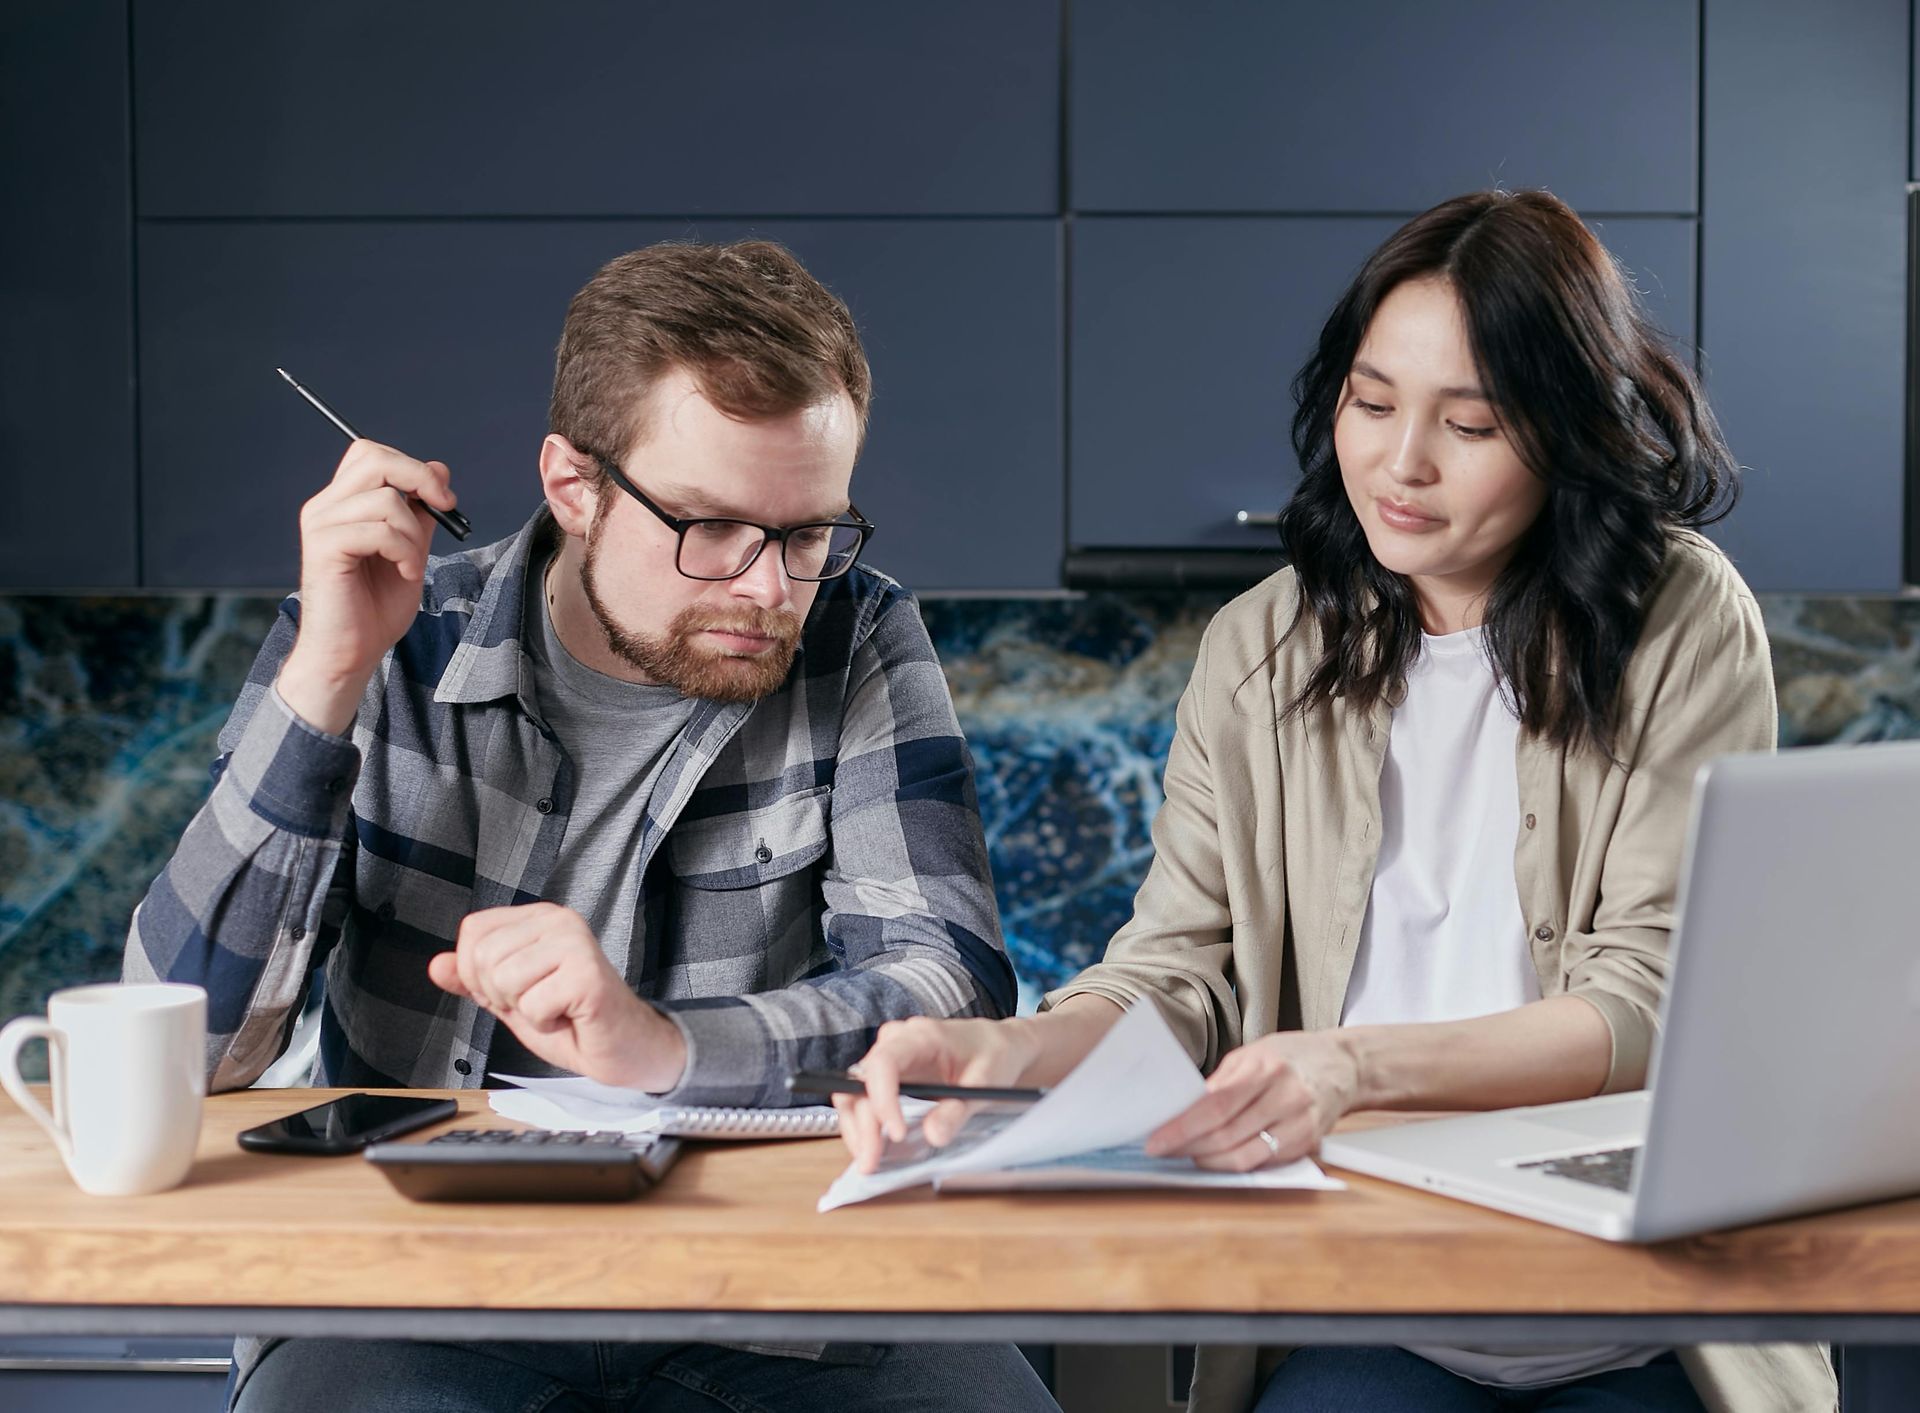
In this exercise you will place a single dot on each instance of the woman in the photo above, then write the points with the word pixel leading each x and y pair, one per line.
pixel 1428 790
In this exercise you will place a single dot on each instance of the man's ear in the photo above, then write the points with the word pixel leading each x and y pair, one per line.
pixel 571 498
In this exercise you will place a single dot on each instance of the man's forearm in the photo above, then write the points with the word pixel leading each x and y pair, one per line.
pixel 1555 1049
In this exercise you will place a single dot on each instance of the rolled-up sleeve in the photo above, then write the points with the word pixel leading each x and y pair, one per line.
pixel 1178 946
pixel 1713 695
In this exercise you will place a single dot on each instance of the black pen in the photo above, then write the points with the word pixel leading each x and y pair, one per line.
pixel 452 521
pixel 840 1082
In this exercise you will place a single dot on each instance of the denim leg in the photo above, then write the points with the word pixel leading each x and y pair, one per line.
pixel 895 1378
pixel 1659 1387
pixel 403 1376
pixel 1336 1378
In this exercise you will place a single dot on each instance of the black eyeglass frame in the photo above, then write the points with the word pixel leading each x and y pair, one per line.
pixel 768 533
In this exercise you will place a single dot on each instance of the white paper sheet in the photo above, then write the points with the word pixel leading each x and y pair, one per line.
pixel 1129 1166
pixel 1133 1081
pixel 570 1102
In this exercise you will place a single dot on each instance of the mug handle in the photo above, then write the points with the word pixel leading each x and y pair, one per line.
pixel 15 1034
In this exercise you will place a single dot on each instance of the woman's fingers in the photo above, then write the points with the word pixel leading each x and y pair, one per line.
pixel 1292 1138
pixel 879 1070
pixel 860 1131
pixel 974 1052
pixel 1227 1098
pixel 943 1122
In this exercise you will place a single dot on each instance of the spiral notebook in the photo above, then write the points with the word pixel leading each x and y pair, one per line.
pixel 568 1102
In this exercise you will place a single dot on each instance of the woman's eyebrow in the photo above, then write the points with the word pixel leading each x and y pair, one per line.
pixel 1367 370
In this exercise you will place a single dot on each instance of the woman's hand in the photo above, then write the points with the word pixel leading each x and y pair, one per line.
pixel 1294 1085
pixel 984 1052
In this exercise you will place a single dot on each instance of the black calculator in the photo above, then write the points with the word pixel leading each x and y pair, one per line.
pixel 534 1165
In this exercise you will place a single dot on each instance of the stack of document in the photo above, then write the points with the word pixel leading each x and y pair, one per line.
pixel 1086 1133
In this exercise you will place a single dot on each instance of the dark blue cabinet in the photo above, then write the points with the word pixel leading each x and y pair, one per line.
pixel 396 202
pixel 1803 284
pixel 1186 332
pixel 1246 105
pixel 68 1374
pixel 597 107
pixel 67 512
pixel 438 338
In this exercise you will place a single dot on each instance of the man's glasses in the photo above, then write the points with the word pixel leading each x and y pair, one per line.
pixel 713 547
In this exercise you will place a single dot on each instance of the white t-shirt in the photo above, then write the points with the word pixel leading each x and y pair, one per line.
pixel 1444 938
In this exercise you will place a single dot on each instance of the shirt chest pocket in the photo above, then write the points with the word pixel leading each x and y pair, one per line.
pixel 753 848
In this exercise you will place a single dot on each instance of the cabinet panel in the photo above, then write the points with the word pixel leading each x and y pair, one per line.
pixel 1186 335
pixel 1241 105
pixel 1803 285
pixel 583 107
pixel 439 339
pixel 67 472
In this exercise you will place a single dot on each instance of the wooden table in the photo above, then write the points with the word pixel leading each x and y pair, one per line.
pixel 731 1247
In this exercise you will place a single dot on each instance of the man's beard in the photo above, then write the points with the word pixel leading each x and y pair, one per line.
pixel 676 661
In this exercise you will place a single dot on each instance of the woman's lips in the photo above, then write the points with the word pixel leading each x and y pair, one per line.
pixel 1405 517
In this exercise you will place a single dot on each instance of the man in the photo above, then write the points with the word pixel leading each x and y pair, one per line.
pixel 663 790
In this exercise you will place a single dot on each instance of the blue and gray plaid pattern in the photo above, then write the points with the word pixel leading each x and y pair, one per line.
pixel 813 862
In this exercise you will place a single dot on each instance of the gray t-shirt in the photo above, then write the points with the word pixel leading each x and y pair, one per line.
pixel 616 734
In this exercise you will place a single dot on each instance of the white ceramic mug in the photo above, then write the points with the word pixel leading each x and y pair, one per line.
pixel 129 1069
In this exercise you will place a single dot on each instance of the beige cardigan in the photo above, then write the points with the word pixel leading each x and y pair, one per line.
pixel 1264 855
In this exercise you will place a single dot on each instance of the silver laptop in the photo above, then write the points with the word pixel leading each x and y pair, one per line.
pixel 1787 1076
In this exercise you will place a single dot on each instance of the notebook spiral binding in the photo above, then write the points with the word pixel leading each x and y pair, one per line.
pixel 750 1123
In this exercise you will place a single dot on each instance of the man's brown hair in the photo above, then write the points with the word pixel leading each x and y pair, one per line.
pixel 759 334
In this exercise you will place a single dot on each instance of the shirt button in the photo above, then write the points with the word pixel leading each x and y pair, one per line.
pixel 545 806
pixel 384 912
pixel 462 1067
pixel 1529 821
pixel 1543 933
pixel 298 932
pixel 764 854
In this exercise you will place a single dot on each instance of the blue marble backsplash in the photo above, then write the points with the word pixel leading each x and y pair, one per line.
pixel 109 708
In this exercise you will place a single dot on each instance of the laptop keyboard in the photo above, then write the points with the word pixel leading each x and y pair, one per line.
pixel 1611 1167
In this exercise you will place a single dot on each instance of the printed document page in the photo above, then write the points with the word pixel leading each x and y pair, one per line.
pixel 1086 1132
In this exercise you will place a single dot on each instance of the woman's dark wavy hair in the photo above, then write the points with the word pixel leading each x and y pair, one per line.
pixel 1594 403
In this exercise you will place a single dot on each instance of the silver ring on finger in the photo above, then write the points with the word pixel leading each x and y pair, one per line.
pixel 1273 1146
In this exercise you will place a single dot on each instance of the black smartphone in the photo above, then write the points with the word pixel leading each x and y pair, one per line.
pixel 347 1124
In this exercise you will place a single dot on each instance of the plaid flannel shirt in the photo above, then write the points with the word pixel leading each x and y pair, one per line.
pixel 813 862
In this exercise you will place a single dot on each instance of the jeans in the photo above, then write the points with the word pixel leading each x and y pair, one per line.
pixel 1385 1379
pixel 397 1376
